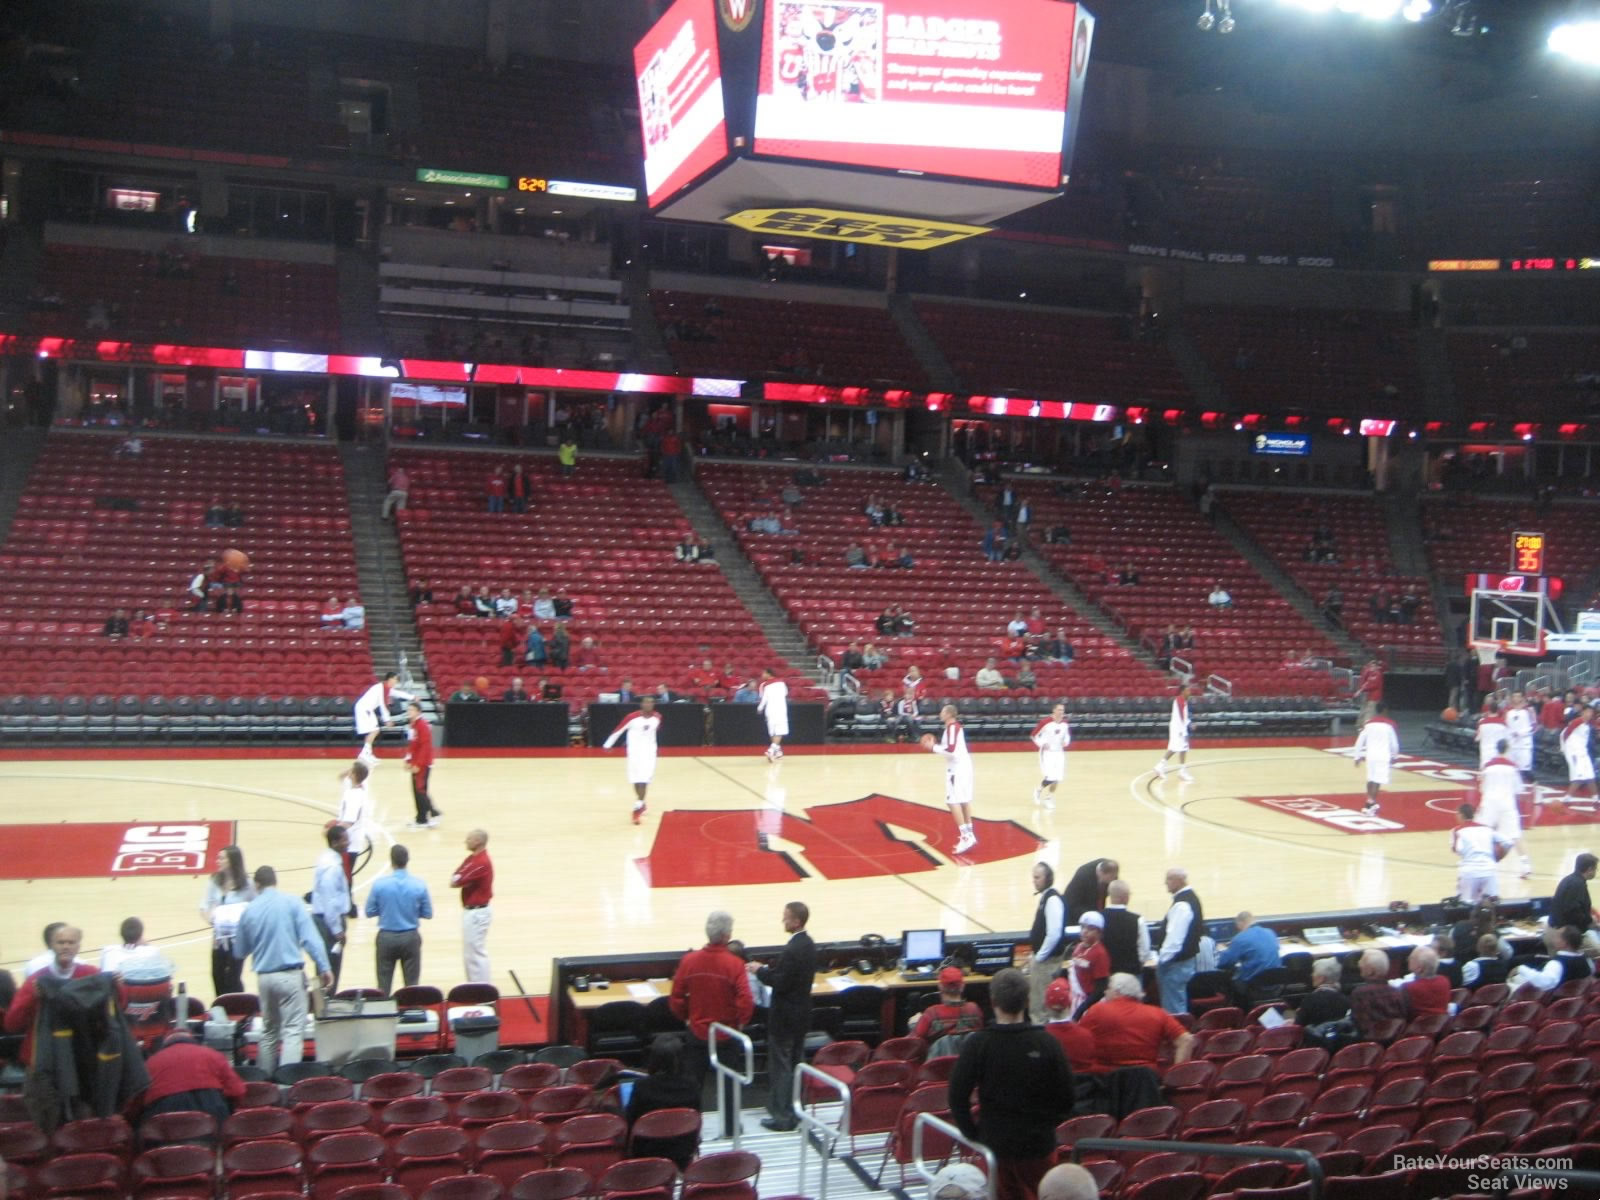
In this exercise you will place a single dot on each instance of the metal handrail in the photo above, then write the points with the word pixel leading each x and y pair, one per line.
pixel 1220 684
pixel 1181 666
pixel 738 1079
pixel 827 1136
pixel 928 1120
pixel 1302 1158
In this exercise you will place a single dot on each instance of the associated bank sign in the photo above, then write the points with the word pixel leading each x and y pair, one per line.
pixel 1296 444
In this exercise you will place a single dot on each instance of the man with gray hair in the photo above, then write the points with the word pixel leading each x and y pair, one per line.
pixel 712 987
pixel 1180 943
pixel 1130 1033
pixel 1068 1181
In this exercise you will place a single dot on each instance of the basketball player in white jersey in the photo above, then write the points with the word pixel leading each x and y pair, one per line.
pixel 1575 748
pixel 372 714
pixel 640 729
pixel 952 746
pixel 1178 735
pixel 1378 745
pixel 774 705
pixel 1474 845
pixel 1491 732
pixel 1052 735
pixel 1519 726
pixel 1499 786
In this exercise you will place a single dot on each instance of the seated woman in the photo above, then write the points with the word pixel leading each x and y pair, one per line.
pixel 332 616
pixel 665 1086
pixel 904 625
pixel 871 657
pixel 886 622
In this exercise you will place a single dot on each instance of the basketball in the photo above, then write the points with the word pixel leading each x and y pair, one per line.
pixel 236 560
pixel 1449 714
pixel 927 741
pixel 481 683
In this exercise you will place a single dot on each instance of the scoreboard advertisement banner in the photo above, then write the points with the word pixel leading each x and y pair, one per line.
pixel 939 87
pixel 681 114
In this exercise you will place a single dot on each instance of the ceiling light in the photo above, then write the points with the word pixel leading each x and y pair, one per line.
pixel 1577 40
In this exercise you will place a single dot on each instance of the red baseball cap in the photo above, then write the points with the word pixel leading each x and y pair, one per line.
pixel 951 977
pixel 1058 994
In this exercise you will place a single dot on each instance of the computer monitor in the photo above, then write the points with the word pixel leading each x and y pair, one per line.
pixel 922 947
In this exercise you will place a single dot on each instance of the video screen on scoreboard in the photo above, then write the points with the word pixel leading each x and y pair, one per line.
pixel 942 87
pixel 681 113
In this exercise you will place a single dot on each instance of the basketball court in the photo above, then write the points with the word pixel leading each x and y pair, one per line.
pixel 861 835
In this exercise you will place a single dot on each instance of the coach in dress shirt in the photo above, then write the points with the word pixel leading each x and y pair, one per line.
pixel 399 900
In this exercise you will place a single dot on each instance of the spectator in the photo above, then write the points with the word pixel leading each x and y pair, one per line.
pixel 905 720
pixel 587 656
pixel 914 680
pixel 517 490
pixel 216 515
pixel 709 986
pixel 1219 598
pixel 989 677
pixel 1333 608
pixel 482 602
pixel 1325 1002
pixel 1186 638
pixel 510 641
pixel 141 624
pixel 188 1077
pixel 1373 1001
pixel 851 659
pixel 354 614
pixel 1180 945
pixel 1068 1181
pixel 116 625
pixel 536 653
pixel 1489 967
pixel 665 1085
pixel 562 603
pixel 567 454
pixel 1426 991
pixel 516 693
pixel 399 492
pixel 421 593
pixel 135 959
pixel 1253 950
pixel 748 692
pixel 1128 576
pixel 951 1017
pixel 1090 964
pixel 1025 679
pixel 1018 625
pixel 1077 1043
pixel 994 542
pixel 900 557
pixel 505 604
pixel 544 606
pixel 464 605
pixel 467 693
pixel 1130 1033
pixel 1023 1087
pixel 855 556
pixel 495 490
pixel 1059 535
pixel 904 625
pixel 872 658
pixel 1057 647
pixel 560 648
pixel 688 550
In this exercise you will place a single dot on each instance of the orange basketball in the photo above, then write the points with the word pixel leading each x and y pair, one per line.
pixel 481 683
pixel 1449 714
pixel 236 560
pixel 927 741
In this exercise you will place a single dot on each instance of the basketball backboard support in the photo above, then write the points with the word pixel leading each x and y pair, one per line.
pixel 1512 622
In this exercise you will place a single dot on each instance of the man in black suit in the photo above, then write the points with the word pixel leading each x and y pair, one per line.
pixel 1571 905
pixel 1086 890
pixel 788 1013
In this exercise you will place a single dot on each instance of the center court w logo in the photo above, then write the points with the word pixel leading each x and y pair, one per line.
pixel 875 835
pixel 736 14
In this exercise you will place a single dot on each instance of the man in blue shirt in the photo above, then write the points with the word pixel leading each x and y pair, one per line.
pixel 399 900
pixel 330 896
pixel 277 930
pixel 1253 950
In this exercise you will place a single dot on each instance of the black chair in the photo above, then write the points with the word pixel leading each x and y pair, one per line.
pixel 659 1018
pixel 562 1056
pixel 430 1065
pixel 251 1073
pixel 500 1061
pixel 616 1030
pixel 861 1010
pixel 290 1074
pixel 359 1070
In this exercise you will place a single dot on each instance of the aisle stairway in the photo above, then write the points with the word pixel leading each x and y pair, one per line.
pixel 780 632
pixel 18 452
pixel 391 625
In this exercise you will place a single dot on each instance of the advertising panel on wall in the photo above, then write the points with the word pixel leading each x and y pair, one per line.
pixel 679 75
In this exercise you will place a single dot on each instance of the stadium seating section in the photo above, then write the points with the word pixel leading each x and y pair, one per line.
pixel 1236 200
pixel 268 303
pixel 1283 527
pixel 1178 557
pixel 1269 360
pixel 960 603
pixel 1468 535
pixel 1528 376
pixel 95 532
pixel 606 535
pixel 793 339
pixel 1476 213
pixel 998 350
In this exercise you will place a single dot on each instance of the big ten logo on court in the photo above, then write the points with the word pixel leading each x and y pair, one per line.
pixel 170 849
pixel 874 835
pixel 1426 767
pixel 1347 819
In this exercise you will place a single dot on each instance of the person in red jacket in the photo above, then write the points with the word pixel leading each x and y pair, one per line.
pixel 188 1077
pixel 711 985
pixel 64 944
pixel 1426 991
pixel 419 761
